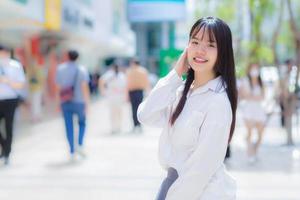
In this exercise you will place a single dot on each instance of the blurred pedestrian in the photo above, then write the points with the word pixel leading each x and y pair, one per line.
pixel 137 83
pixel 252 92
pixel 72 81
pixel 94 83
pixel 287 97
pixel 113 88
pixel 36 86
pixel 12 79
pixel 197 116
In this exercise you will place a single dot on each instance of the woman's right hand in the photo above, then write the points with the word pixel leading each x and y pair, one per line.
pixel 181 66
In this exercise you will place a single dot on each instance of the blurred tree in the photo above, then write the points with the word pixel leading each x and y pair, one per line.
pixel 293 19
pixel 285 47
pixel 290 101
pixel 276 33
pixel 265 22
pixel 259 50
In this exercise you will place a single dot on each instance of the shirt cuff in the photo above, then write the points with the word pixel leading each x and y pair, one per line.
pixel 172 78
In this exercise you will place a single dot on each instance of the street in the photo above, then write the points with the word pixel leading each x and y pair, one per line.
pixel 126 167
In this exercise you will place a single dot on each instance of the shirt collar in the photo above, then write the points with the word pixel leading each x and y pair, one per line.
pixel 216 85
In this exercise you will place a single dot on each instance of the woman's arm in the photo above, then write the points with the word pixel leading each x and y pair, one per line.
pixel 18 81
pixel 86 94
pixel 154 111
pixel 13 84
pixel 102 86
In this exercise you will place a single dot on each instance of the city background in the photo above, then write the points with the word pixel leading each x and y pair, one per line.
pixel 125 165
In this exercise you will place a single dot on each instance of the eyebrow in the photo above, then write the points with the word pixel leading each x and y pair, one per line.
pixel 210 41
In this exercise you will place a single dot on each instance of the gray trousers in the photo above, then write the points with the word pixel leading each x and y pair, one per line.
pixel 166 184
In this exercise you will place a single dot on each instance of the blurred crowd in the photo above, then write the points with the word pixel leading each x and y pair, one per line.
pixel 259 97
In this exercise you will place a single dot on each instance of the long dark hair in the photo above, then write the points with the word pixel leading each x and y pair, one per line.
pixel 224 66
pixel 116 68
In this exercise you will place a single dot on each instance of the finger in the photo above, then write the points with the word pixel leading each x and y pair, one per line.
pixel 184 53
pixel 183 56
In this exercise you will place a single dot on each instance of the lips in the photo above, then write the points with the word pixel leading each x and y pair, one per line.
pixel 199 60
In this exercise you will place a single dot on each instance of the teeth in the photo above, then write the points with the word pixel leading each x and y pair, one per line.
pixel 200 59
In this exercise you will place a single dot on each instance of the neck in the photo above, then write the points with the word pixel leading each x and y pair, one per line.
pixel 201 79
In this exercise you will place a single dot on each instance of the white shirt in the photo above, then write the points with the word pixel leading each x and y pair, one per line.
pixel 12 70
pixel 253 110
pixel 255 90
pixel 196 144
pixel 115 86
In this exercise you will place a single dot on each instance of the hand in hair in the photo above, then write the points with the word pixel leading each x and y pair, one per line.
pixel 181 66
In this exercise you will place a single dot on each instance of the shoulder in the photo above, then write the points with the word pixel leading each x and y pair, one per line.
pixel 220 103
pixel 15 64
pixel 218 111
pixel 128 71
pixel 107 75
pixel 121 75
pixel 143 70
pixel 82 69
pixel 221 99
pixel 61 67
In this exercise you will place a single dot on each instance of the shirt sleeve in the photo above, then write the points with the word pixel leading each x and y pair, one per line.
pixel 209 155
pixel 83 75
pixel 154 110
pixel 19 74
pixel 106 76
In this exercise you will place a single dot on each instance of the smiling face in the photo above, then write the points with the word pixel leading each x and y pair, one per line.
pixel 202 51
pixel 254 70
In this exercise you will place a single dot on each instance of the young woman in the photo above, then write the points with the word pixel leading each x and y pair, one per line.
pixel 252 91
pixel 113 87
pixel 197 116
pixel 12 80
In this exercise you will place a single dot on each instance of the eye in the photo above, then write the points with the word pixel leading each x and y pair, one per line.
pixel 195 42
pixel 211 45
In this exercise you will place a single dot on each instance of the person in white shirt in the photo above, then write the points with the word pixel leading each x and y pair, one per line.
pixel 252 92
pixel 113 88
pixel 12 80
pixel 197 116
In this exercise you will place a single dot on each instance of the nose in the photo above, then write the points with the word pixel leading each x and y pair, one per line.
pixel 202 49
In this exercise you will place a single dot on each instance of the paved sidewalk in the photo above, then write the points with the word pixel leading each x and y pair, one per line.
pixel 125 166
